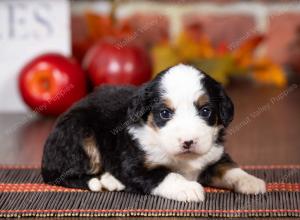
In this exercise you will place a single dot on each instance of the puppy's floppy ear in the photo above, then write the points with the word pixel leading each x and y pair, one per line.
pixel 141 103
pixel 226 108
pixel 220 99
pixel 146 96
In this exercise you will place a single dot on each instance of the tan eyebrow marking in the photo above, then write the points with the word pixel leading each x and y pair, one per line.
pixel 202 100
pixel 168 103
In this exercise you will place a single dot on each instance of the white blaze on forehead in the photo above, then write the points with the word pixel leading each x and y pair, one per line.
pixel 182 84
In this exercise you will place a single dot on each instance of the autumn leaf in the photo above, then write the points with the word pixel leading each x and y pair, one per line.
pixel 100 26
pixel 163 56
pixel 190 48
pixel 222 49
pixel 244 54
pixel 194 30
pixel 220 68
pixel 267 72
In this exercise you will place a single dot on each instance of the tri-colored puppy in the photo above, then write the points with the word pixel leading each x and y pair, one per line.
pixel 164 138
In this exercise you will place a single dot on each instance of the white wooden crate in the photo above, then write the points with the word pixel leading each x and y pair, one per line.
pixel 29 28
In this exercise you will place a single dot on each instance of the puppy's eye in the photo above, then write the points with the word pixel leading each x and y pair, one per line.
pixel 166 114
pixel 205 112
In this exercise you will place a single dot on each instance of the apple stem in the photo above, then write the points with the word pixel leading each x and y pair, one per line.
pixel 113 10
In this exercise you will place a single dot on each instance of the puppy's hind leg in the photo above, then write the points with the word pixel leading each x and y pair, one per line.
pixel 71 157
pixel 92 152
pixel 88 182
pixel 74 178
pixel 94 184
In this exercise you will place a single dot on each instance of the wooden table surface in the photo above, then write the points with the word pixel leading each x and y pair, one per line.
pixel 265 131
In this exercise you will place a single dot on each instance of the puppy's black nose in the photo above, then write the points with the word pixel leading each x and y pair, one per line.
pixel 187 144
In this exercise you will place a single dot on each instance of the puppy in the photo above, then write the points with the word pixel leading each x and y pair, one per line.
pixel 164 138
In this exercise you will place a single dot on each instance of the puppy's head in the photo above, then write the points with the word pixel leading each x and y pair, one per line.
pixel 180 112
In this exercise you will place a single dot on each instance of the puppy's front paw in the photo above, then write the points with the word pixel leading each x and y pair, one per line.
pixel 249 184
pixel 110 183
pixel 176 187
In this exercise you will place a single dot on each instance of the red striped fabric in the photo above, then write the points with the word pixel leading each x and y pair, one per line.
pixel 40 187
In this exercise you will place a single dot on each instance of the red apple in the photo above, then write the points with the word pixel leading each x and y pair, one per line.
pixel 51 83
pixel 114 63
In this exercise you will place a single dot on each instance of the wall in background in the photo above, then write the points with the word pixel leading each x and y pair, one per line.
pixel 232 21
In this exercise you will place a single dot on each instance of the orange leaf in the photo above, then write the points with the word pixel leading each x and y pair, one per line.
pixel 125 29
pixel 163 56
pixel 194 30
pixel 189 48
pixel 102 26
pixel 222 48
pixel 267 72
pixel 98 25
pixel 244 53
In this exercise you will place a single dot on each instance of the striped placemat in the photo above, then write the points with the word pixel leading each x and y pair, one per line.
pixel 23 193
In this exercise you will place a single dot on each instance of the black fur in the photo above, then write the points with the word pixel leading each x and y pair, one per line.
pixel 220 136
pixel 104 115
pixel 148 99
pixel 219 100
pixel 64 161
